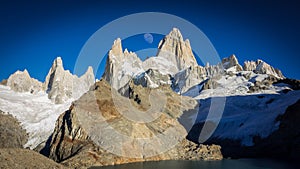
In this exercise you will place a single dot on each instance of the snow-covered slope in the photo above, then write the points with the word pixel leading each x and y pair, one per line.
pixel 248 116
pixel 36 112
pixel 247 113
pixel 238 83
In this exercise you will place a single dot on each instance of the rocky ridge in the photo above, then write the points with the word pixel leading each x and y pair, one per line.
pixel 60 84
pixel 174 65
pixel 21 81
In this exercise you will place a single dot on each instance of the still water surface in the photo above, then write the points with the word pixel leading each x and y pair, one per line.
pixel 223 164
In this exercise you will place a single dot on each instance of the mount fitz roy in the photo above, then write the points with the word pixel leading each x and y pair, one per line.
pixel 260 116
pixel 174 64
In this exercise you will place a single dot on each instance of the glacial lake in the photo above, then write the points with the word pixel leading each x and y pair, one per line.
pixel 223 164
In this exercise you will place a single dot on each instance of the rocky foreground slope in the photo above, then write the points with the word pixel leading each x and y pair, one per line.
pixel 11 133
pixel 12 154
pixel 105 128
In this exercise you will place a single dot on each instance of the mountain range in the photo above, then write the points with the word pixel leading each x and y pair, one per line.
pixel 166 107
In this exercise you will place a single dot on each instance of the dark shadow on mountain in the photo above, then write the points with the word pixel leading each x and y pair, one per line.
pixel 283 143
pixel 46 149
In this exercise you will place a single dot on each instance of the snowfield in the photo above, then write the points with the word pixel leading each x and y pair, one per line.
pixel 36 113
pixel 246 115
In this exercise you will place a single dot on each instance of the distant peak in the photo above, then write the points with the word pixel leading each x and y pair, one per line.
pixel 261 67
pixel 231 61
pixel 24 72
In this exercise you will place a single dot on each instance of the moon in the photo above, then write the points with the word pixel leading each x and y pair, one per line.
pixel 148 37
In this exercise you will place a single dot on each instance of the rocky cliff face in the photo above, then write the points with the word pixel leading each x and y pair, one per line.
pixel 105 128
pixel 193 76
pixel 174 48
pixel 121 66
pixel 174 54
pixel 61 85
pixel 22 82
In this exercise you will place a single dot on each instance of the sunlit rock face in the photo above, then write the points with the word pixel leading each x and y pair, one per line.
pixel 61 85
pixel 106 128
pixel 121 66
pixel 174 54
pixel 174 48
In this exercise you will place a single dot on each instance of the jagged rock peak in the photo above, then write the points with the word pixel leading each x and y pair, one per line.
pixel 231 61
pixel 262 67
pixel 61 85
pixel 120 67
pixel 58 62
pixel 116 48
pixel 21 81
pixel 175 49
pixel 89 70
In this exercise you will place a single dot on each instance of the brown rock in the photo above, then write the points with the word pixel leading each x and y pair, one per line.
pixel 4 82
pixel 87 134
pixel 11 133
pixel 18 158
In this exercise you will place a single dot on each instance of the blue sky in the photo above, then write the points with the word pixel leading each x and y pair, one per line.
pixel 34 33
